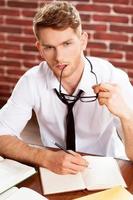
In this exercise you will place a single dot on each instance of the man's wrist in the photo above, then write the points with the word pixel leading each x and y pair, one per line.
pixel 127 115
pixel 42 157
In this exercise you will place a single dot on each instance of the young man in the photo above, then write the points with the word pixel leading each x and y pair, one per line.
pixel 103 110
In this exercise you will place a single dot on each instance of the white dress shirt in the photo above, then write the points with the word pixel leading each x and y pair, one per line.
pixel 95 126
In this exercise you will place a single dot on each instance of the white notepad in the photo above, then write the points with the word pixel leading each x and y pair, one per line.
pixel 21 194
pixel 102 173
pixel 12 173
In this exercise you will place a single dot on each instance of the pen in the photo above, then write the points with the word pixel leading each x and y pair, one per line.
pixel 62 148
pixel 67 151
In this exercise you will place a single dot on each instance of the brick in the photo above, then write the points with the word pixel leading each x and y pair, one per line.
pixel 7 29
pixel 119 28
pixel 29 48
pixel 1 20
pixel 9 12
pixel 110 36
pixel 85 17
pixel 94 27
pixel 121 9
pixel 112 1
pixel 5 93
pixel 2 2
pixel 2 101
pixel 18 72
pixel 130 74
pixel 110 18
pixel 28 64
pixel 131 82
pixel 9 46
pixel 93 8
pixel 2 53
pixel 9 79
pixel 121 47
pixel 2 37
pixel 9 63
pixel 28 31
pixel 129 56
pixel 2 70
pixel 18 22
pixel 28 13
pixel 22 4
pixel 21 38
pixel 20 55
pixel 96 45
pixel 105 54
pixel 127 65
pixel 4 86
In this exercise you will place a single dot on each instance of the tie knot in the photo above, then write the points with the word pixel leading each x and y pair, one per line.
pixel 68 101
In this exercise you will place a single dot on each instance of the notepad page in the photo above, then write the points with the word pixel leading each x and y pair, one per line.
pixel 55 183
pixel 102 173
pixel 26 193
pixel 13 172
pixel 8 193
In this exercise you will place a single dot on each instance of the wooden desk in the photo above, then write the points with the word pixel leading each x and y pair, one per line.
pixel 126 168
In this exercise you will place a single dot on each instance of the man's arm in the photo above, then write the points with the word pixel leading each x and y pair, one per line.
pixel 111 96
pixel 127 125
pixel 56 161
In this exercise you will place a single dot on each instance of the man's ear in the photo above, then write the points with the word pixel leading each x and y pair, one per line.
pixel 38 46
pixel 84 40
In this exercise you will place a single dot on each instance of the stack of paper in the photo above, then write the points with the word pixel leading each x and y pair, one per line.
pixel 116 193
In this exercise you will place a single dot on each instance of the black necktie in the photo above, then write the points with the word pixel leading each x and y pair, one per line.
pixel 70 127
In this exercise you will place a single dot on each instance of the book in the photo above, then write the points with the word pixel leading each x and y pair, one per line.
pixel 12 173
pixel 101 173
pixel 22 193
pixel 116 193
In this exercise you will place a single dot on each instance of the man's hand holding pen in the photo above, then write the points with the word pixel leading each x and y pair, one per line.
pixel 62 162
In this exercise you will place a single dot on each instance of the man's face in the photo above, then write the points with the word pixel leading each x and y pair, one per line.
pixel 62 48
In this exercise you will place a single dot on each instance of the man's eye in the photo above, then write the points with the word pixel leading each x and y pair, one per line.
pixel 67 43
pixel 47 47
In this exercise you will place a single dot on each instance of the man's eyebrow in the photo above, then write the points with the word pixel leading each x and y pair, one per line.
pixel 47 45
pixel 50 45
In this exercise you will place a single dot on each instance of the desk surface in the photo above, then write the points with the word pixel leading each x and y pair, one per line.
pixel 126 168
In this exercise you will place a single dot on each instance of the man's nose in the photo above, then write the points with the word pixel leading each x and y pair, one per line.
pixel 59 55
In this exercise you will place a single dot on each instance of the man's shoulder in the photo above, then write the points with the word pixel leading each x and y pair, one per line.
pixel 37 70
pixel 105 69
pixel 100 62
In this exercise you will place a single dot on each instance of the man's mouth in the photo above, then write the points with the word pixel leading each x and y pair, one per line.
pixel 61 66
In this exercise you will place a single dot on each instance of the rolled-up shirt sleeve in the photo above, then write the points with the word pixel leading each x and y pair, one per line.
pixel 18 109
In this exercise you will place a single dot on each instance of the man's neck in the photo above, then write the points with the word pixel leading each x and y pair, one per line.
pixel 71 83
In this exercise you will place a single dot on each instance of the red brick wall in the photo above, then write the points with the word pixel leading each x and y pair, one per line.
pixel 109 24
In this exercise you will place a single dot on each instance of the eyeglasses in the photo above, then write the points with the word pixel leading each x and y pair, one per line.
pixel 82 98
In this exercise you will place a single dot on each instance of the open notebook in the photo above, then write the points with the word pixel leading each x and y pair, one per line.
pixel 12 173
pixel 116 193
pixel 102 173
pixel 21 194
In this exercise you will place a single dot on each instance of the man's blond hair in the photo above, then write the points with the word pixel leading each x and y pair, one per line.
pixel 57 15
